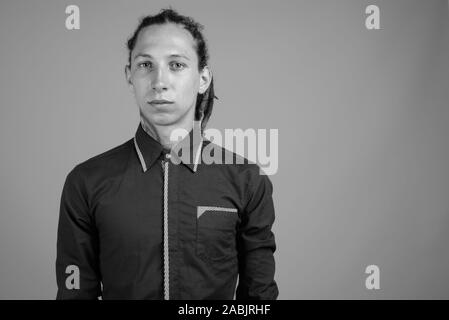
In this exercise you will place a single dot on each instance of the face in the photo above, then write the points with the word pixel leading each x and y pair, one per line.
pixel 164 66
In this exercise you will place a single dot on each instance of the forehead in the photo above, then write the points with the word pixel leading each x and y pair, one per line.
pixel 165 39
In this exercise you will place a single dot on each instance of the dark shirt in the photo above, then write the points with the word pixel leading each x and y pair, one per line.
pixel 139 226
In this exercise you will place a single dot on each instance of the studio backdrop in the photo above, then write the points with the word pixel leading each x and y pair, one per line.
pixel 358 92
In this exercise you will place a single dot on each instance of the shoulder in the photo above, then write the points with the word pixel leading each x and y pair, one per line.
pixel 235 167
pixel 102 165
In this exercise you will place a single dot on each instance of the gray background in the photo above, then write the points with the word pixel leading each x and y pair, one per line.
pixel 362 116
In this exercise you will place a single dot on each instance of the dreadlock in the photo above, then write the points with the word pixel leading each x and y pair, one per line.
pixel 204 105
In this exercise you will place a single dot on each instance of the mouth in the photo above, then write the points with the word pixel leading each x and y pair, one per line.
pixel 160 102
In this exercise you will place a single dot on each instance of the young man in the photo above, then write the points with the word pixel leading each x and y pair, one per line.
pixel 142 221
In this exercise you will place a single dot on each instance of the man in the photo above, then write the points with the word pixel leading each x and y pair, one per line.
pixel 145 221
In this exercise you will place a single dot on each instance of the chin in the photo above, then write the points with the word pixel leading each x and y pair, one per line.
pixel 163 120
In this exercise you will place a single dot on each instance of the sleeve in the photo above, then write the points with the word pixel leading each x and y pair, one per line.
pixel 77 261
pixel 256 244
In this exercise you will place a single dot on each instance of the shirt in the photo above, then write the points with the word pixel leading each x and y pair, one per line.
pixel 135 224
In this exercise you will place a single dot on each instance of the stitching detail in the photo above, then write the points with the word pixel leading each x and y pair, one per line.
pixel 139 154
pixel 197 155
pixel 201 209
pixel 166 257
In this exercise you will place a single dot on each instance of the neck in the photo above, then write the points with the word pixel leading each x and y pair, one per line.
pixel 162 133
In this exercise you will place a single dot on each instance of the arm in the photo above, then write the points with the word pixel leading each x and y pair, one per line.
pixel 77 244
pixel 256 244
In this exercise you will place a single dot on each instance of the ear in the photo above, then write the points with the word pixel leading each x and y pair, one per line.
pixel 128 78
pixel 205 79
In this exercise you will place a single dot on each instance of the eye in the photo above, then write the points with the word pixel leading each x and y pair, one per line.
pixel 178 65
pixel 144 64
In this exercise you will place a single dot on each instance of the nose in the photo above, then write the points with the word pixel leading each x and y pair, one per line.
pixel 160 80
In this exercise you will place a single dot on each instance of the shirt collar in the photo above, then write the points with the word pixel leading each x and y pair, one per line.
pixel 187 151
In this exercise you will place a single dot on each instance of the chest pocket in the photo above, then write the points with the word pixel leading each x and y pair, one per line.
pixel 216 233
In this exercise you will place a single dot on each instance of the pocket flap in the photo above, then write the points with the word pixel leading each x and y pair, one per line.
pixel 202 209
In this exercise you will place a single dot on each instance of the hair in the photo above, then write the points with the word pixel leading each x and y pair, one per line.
pixel 205 101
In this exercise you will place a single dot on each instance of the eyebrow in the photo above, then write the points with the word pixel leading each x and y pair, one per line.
pixel 174 55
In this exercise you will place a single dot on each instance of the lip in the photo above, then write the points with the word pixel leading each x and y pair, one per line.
pixel 160 102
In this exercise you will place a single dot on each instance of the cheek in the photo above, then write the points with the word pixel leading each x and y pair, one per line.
pixel 189 91
pixel 140 89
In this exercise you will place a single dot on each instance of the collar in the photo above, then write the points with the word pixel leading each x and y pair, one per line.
pixel 186 151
